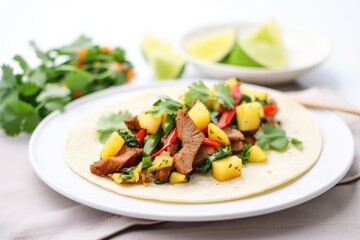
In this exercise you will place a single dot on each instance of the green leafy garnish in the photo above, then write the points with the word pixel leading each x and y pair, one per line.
pixel 158 182
pixel 298 144
pixel 130 139
pixel 273 137
pixel 245 98
pixel 245 154
pixel 110 123
pixel 224 96
pixel 199 91
pixel 64 74
pixel 146 162
pixel 128 173
pixel 165 104
pixel 209 158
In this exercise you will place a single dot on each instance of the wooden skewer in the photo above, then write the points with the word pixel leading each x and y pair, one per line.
pixel 330 106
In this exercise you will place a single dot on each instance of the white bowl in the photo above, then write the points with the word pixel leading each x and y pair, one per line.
pixel 305 49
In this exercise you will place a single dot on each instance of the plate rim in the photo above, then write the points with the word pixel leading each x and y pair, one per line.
pixel 91 203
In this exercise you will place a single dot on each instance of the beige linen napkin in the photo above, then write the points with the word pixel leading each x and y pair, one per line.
pixel 31 210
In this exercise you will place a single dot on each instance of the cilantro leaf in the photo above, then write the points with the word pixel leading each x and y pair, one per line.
pixel 8 82
pixel 197 91
pixel 78 80
pixel 165 104
pixel 224 96
pixel 273 137
pixel 209 158
pixel 38 77
pixel 23 64
pixel 54 97
pixel 245 153
pixel 109 123
pixel 81 42
pixel 130 139
pixel 28 89
pixel 18 116
pixel 43 56
pixel 297 143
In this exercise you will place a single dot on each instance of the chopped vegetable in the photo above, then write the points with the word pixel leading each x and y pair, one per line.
pixel 176 177
pixel 146 162
pixel 257 154
pixel 219 154
pixel 249 116
pixel 160 162
pixel 226 118
pixel 64 74
pixel 169 140
pixel 140 136
pixel 130 139
pixel 245 154
pixel 151 142
pixel 169 123
pixel 270 109
pixel 211 143
pixel 149 122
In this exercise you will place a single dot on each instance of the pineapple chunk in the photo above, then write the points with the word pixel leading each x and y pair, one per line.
pixel 200 115
pixel 254 93
pixel 119 177
pixel 112 146
pixel 161 161
pixel 176 177
pixel 257 154
pixel 149 122
pixel 227 168
pixel 217 134
pixel 249 116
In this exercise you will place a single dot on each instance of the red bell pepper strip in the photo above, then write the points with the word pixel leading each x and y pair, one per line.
pixel 140 136
pixel 169 140
pixel 211 143
pixel 270 109
pixel 226 118
pixel 228 115
pixel 235 91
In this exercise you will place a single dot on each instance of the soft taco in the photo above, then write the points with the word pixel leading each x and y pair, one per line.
pixel 198 144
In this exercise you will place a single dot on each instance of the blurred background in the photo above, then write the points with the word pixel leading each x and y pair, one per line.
pixel 124 23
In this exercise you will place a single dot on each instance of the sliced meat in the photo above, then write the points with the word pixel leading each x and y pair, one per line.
pixel 203 151
pixel 163 174
pixel 132 124
pixel 237 146
pixel 173 148
pixel 113 164
pixel 191 139
pixel 233 134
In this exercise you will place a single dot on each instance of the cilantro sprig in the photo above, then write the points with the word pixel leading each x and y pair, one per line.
pixel 199 91
pixel 107 124
pixel 209 158
pixel 65 73
pixel 274 137
pixel 165 104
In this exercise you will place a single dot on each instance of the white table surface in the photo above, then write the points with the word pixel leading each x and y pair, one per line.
pixel 123 23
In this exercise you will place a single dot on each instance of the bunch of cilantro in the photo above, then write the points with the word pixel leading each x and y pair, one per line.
pixel 64 74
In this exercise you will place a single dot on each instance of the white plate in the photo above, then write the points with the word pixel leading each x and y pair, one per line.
pixel 305 49
pixel 46 155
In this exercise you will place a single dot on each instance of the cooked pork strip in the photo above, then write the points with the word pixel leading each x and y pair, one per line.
pixel 237 146
pixel 163 174
pixel 233 134
pixel 104 167
pixel 132 124
pixel 191 138
pixel 203 151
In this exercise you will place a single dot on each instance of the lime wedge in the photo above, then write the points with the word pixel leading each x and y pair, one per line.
pixel 264 46
pixel 213 47
pixel 238 57
pixel 151 43
pixel 166 65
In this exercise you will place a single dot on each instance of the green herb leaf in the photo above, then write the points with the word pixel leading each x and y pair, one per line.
pixel 245 154
pixel 54 97
pixel 44 57
pixel 297 143
pixel 213 116
pixel 197 91
pixel 81 42
pixel 18 116
pixel 23 64
pixel 146 162
pixel 165 104
pixel 209 158
pixel 8 85
pixel 245 98
pixel 28 89
pixel 223 95
pixel 110 123
pixel 78 80
pixel 273 137
pixel 130 139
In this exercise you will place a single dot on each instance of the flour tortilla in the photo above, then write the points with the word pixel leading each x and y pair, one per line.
pixel 82 148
